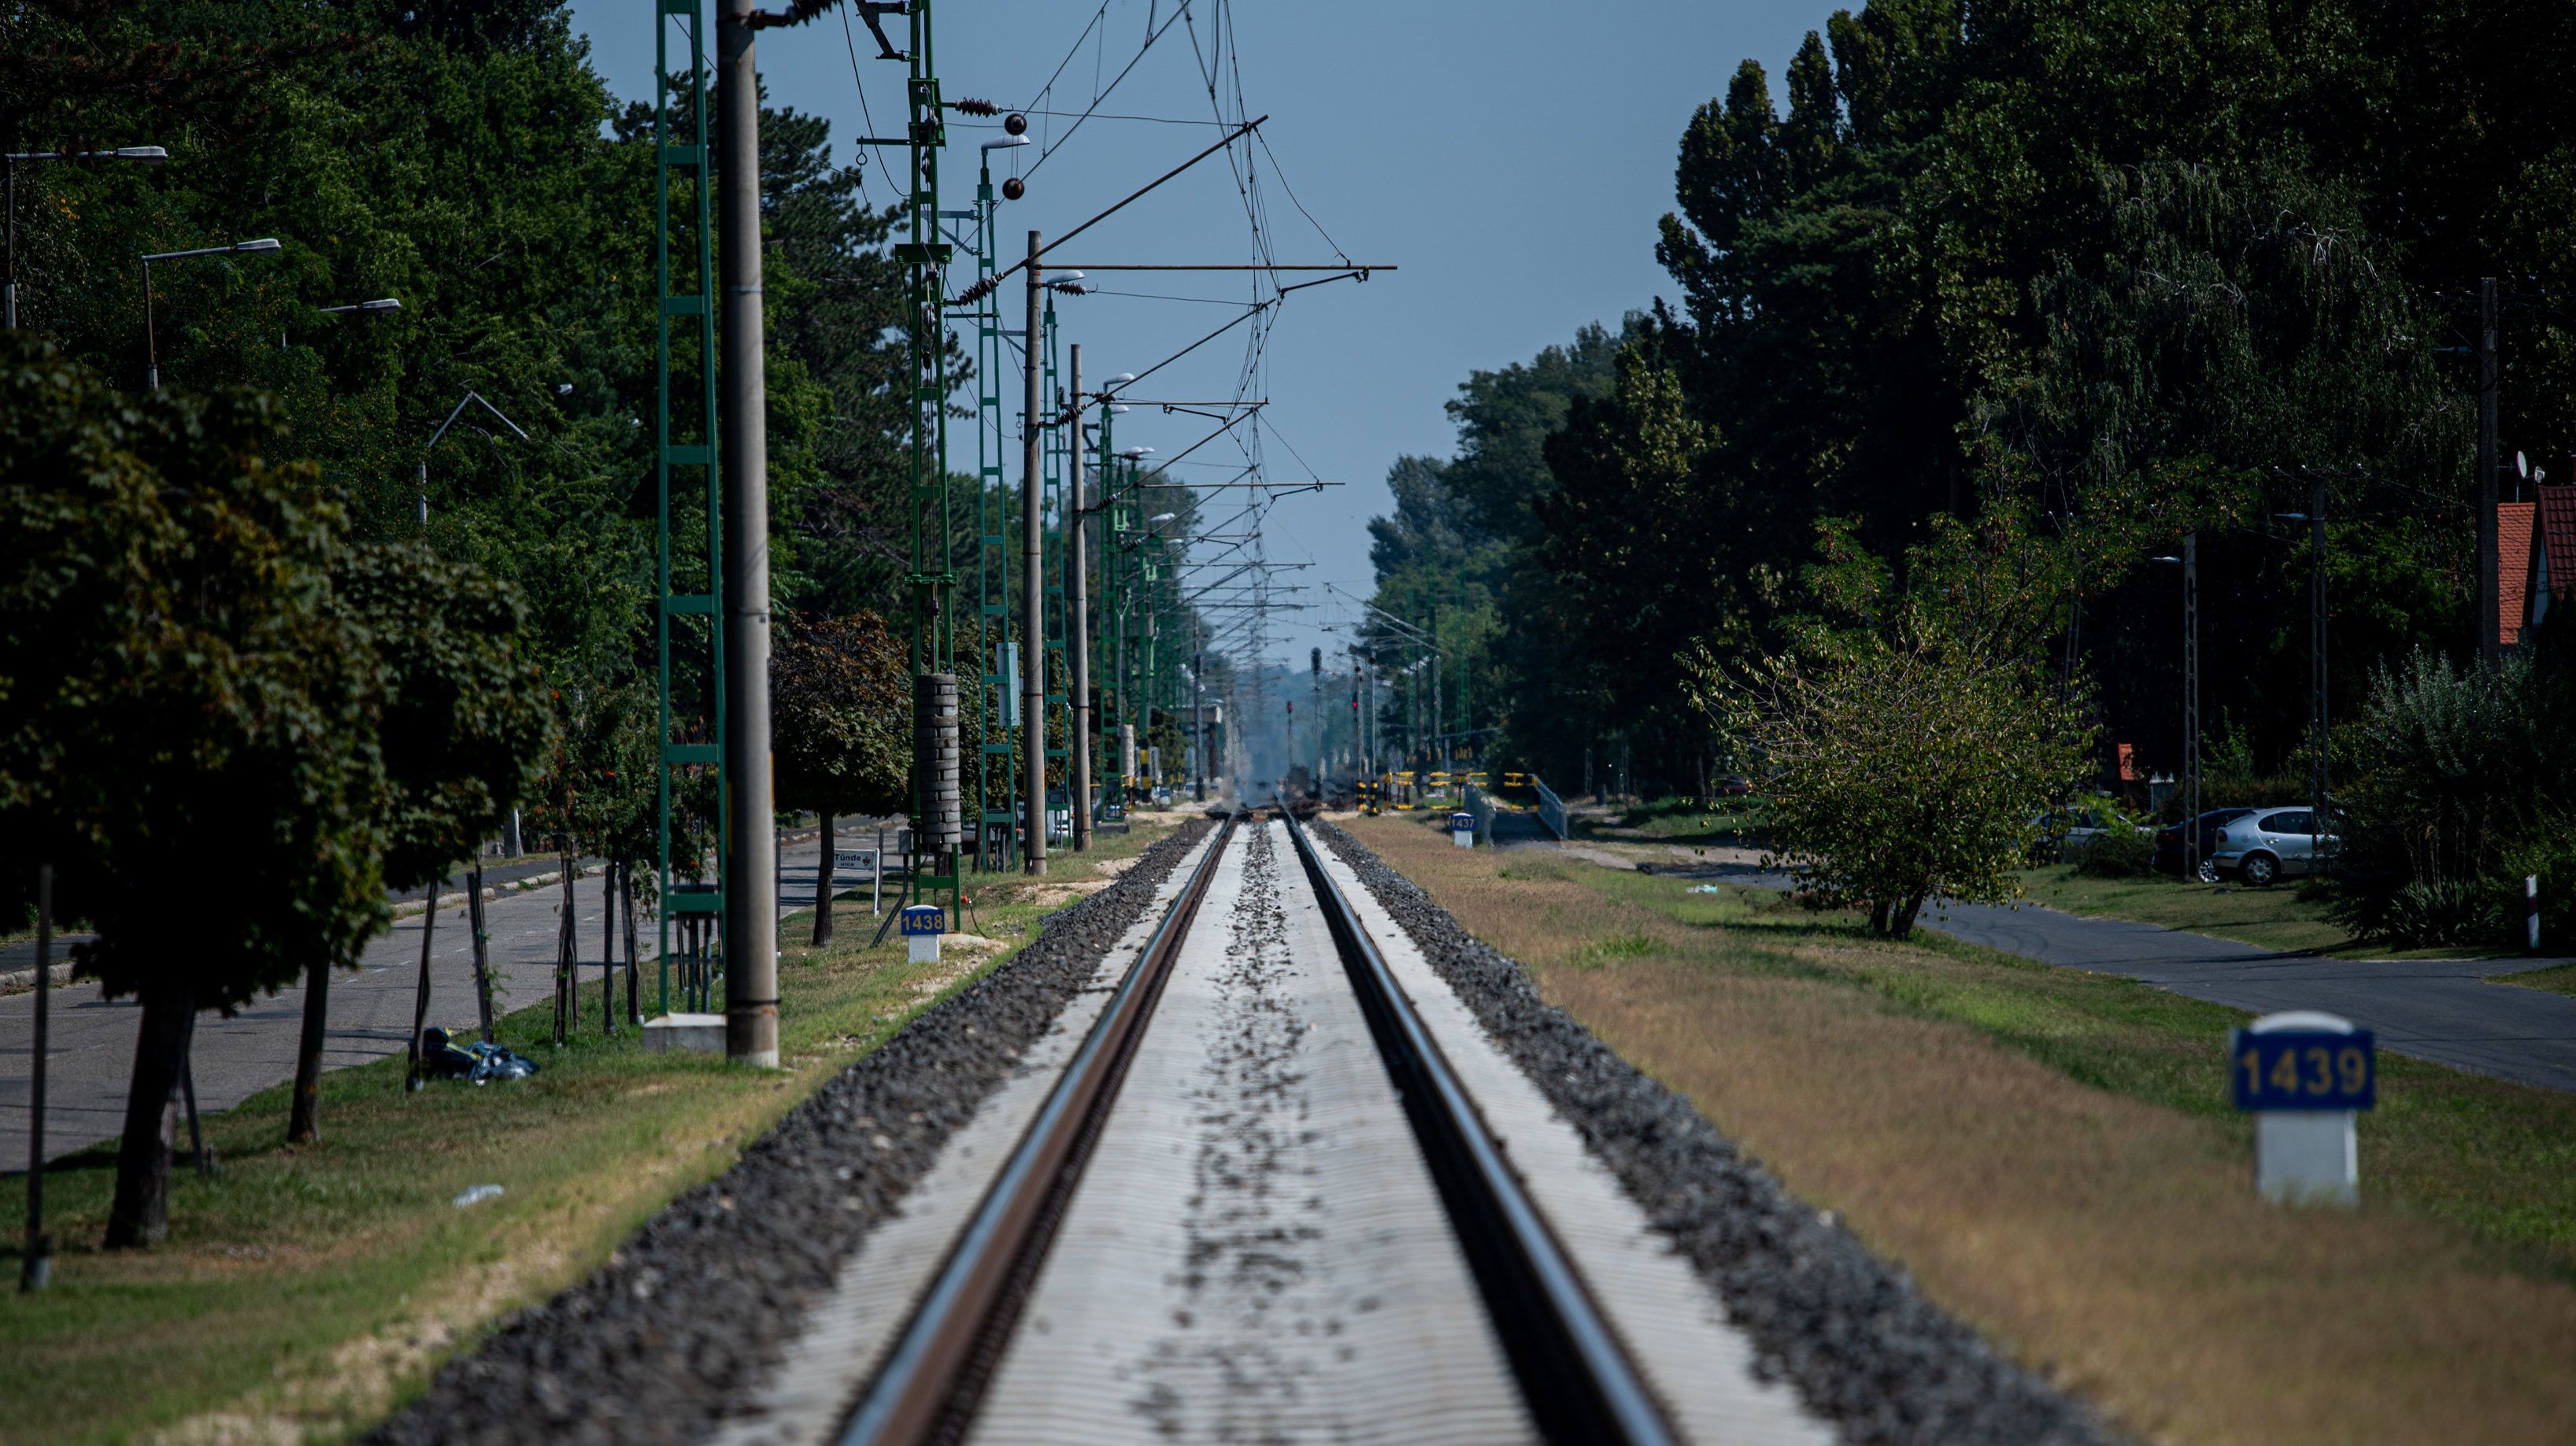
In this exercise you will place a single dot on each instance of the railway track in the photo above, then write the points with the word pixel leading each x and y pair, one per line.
pixel 1267 1182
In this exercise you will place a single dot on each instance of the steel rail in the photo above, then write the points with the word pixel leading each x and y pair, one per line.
pixel 929 1385
pixel 1574 1374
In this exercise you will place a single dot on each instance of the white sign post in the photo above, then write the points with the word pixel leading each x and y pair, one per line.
pixel 2293 1068
pixel 1462 830
pixel 922 925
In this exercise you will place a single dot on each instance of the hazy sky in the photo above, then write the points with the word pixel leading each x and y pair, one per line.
pixel 1511 158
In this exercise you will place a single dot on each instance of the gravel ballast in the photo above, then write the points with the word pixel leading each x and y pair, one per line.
pixel 686 1317
pixel 1847 1329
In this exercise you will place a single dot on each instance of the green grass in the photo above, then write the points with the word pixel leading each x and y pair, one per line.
pixel 2561 980
pixel 2494 1158
pixel 2274 918
pixel 297 1288
pixel 1683 820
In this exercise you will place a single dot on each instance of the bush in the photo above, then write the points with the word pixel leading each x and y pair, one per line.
pixel 2118 853
pixel 2449 913
pixel 1899 773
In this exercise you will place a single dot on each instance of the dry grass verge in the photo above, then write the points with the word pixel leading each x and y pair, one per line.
pixel 2052 1156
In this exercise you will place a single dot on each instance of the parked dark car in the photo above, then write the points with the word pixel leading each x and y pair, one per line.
pixel 2169 839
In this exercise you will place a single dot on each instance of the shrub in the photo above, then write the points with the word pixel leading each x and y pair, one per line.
pixel 2447 913
pixel 1899 773
pixel 2118 853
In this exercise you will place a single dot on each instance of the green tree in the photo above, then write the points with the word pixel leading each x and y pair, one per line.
pixel 841 728
pixel 461 728
pixel 187 725
pixel 1905 772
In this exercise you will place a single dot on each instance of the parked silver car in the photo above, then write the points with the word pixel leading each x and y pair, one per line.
pixel 2265 844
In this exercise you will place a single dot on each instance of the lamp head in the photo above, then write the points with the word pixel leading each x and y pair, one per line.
pixel 1004 143
pixel 264 243
pixel 148 155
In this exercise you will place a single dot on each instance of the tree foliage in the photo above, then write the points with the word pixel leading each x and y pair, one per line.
pixel 462 725
pixel 842 697
pixel 1904 772
pixel 2124 270
pixel 190 725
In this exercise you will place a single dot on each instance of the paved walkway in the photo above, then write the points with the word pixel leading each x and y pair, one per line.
pixel 91 1051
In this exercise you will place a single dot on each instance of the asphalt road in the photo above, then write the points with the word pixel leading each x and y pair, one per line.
pixel 91 1051
pixel 2433 1009
pixel 2441 1010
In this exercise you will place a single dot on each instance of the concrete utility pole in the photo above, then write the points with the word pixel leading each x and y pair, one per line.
pixel 751 894
pixel 2318 779
pixel 1198 709
pixel 1033 590
pixel 1077 627
pixel 2191 844
pixel 2490 646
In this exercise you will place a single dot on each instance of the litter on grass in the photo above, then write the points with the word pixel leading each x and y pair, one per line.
pixel 441 1057
pixel 1706 889
pixel 477 1194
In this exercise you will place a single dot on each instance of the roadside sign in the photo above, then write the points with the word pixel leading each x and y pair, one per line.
pixel 854 861
pixel 2304 1070
pixel 2304 1075
pixel 922 926
pixel 1462 829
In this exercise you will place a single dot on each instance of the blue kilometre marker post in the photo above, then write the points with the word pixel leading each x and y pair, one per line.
pixel 2304 1076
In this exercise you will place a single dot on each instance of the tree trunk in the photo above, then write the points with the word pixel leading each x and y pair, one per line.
pixel 626 910
pixel 303 1124
pixel 567 955
pixel 1902 925
pixel 608 949
pixel 823 886
pixel 420 995
pixel 1880 915
pixel 482 948
pixel 140 1213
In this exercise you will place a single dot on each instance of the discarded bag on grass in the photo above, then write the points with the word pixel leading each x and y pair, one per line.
pixel 476 1063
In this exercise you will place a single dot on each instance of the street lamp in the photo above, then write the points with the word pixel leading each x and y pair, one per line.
pixel 146 155
pixel 2190 561
pixel 152 355
pixel 1014 188
pixel 2315 517
pixel 355 308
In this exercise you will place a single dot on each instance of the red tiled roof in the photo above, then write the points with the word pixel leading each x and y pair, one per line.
pixel 2513 569
pixel 2556 534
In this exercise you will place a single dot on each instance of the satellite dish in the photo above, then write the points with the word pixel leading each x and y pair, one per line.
pixel 2521 465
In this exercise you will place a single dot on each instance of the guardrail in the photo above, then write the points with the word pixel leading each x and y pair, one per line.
pixel 1551 809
